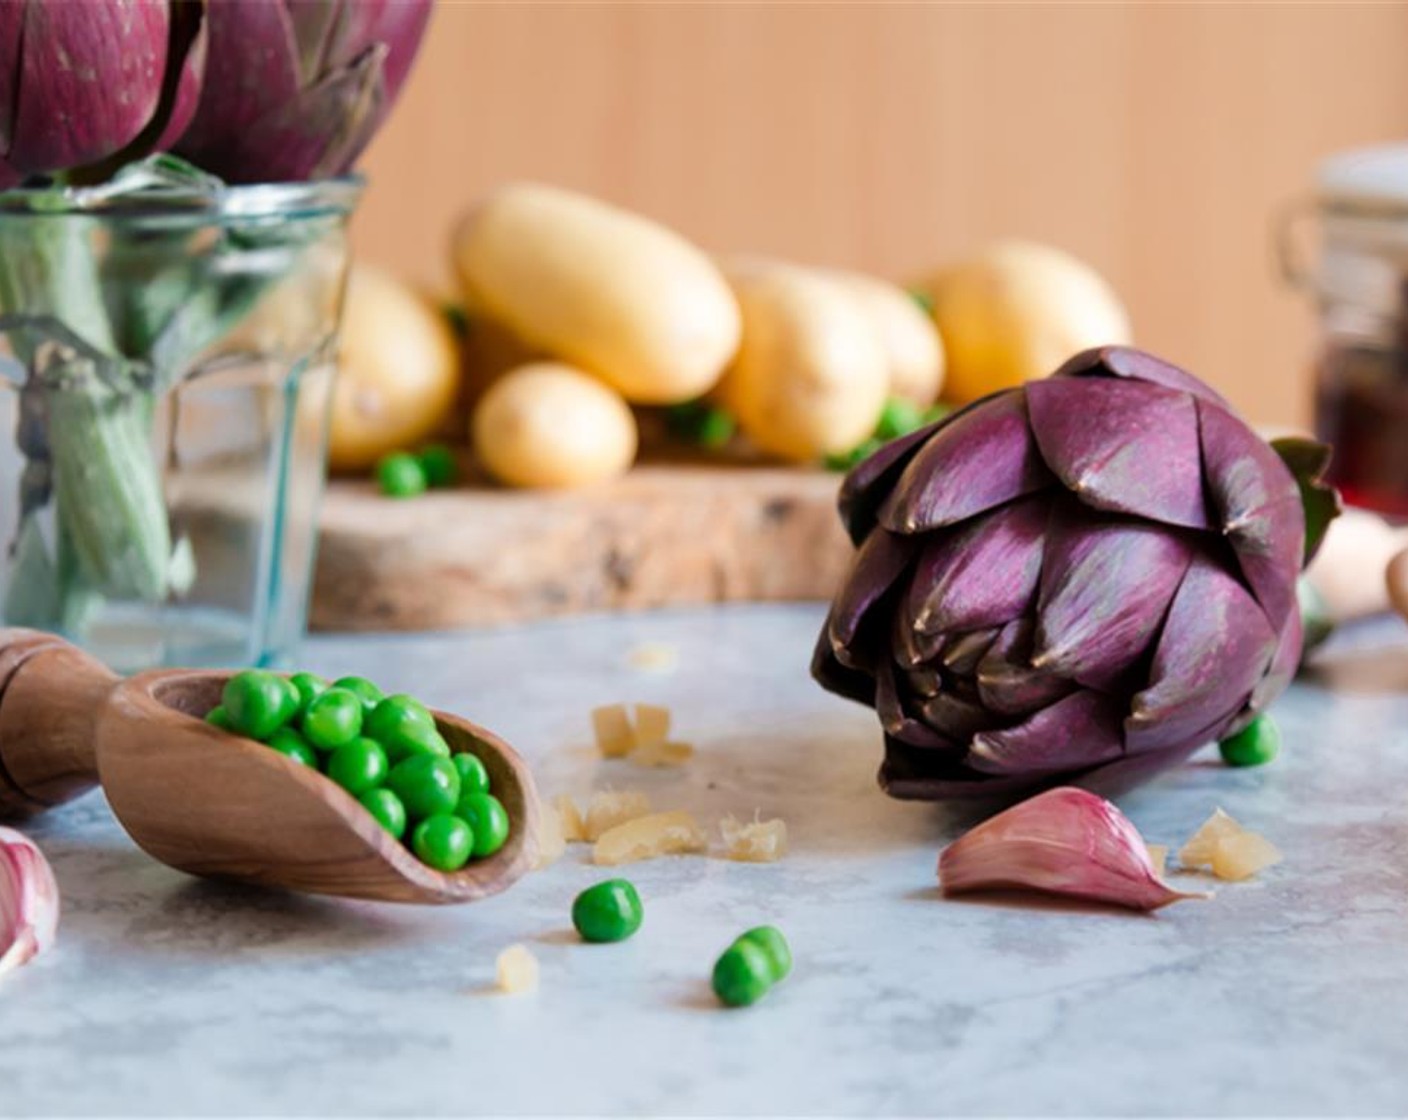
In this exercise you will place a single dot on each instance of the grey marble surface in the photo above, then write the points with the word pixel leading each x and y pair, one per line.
pixel 169 996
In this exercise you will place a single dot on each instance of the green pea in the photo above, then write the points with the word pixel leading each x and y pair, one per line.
pixel 473 777
pixel 394 712
pixel 437 462
pixel 845 460
pixel 609 911
pixel 899 417
pixel 400 475
pixel 258 703
pixel 443 842
pixel 292 745
pixel 332 719
pixel 486 814
pixel 359 766
pixel 386 807
pixel 409 739
pixel 702 423
pixel 743 974
pixel 370 695
pixel 286 739
pixel 427 785
pixel 1255 745
pixel 219 717
pixel 310 686
pixel 771 941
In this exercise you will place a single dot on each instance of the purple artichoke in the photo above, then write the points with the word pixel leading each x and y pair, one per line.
pixel 296 88
pixel 84 86
pixel 1091 575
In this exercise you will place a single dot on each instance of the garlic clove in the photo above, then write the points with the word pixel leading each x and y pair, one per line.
pixel 1065 841
pixel 29 901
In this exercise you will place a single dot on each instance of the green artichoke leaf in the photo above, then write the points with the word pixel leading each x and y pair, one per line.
pixel 1307 460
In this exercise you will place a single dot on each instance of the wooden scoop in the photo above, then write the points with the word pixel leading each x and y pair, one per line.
pixel 212 803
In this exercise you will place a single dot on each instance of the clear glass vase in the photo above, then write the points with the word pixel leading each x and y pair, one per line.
pixel 165 375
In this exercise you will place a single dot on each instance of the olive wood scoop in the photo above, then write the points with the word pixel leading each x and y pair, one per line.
pixel 212 803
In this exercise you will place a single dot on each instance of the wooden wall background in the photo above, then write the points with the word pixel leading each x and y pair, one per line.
pixel 1155 140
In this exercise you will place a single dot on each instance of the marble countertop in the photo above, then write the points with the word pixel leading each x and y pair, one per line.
pixel 170 996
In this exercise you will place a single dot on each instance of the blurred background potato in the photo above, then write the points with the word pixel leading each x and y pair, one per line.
pixel 1156 142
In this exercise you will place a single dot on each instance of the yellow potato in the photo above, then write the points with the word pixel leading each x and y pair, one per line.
pixel 1015 312
pixel 398 371
pixel 551 426
pixel 811 373
pixel 614 293
pixel 916 354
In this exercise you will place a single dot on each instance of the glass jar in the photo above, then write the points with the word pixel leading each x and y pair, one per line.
pixel 1360 285
pixel 165 376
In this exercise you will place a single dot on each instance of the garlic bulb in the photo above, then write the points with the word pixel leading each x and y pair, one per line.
pixel 29 901
pixel 1065 841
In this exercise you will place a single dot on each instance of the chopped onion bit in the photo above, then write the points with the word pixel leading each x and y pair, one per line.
pixel 609 809
pixel 1242 856
pixel 663 754
pixel 569 819
pixel 753 842
pixel 652 725
pixel 654 657
pixel 659 834
pixel 612 726
pixel 517 970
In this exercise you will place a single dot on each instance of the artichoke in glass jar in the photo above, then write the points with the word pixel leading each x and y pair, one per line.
pixel 1085 578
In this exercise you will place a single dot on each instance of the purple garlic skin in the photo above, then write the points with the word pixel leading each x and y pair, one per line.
pixel 1082 579
pixel 295 89
pixel 29 901
pixel 1066 842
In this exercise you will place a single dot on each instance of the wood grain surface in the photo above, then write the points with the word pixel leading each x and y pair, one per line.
pixel 664 535
pixel 1156 140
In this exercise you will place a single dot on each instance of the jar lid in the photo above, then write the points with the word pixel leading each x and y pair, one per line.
pixel 1368 181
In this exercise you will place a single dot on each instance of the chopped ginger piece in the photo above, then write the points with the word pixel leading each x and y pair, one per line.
pixel 551 842
pixel 660 834
pixel 609 809
pixel 569 819
pixel 1243 855
pixel 517 970
pixel 662 754
pixel 652 725
pixel 757 842
pixel 1158 856
pixel 614 737
pixel 653 657
pixel 1202 845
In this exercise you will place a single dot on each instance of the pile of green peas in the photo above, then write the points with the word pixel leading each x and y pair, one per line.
pixel 385 751
pixel 745 972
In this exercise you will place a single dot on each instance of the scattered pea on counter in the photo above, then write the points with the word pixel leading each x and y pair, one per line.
pixel 750 967
pixel 1255 745
pixel 385 751
pixel 609 911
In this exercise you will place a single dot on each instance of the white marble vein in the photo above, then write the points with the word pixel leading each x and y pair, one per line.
pixel 169 996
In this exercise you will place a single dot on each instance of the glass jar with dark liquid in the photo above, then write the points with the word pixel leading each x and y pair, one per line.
pixel 1361 287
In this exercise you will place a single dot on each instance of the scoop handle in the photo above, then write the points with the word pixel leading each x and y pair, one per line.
pixel 51 694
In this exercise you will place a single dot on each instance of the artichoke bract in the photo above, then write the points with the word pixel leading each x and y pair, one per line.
pixel 1082 579
pixel 87 84
pixel 295 89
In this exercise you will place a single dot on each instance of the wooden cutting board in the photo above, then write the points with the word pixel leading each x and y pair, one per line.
pixel 663 535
